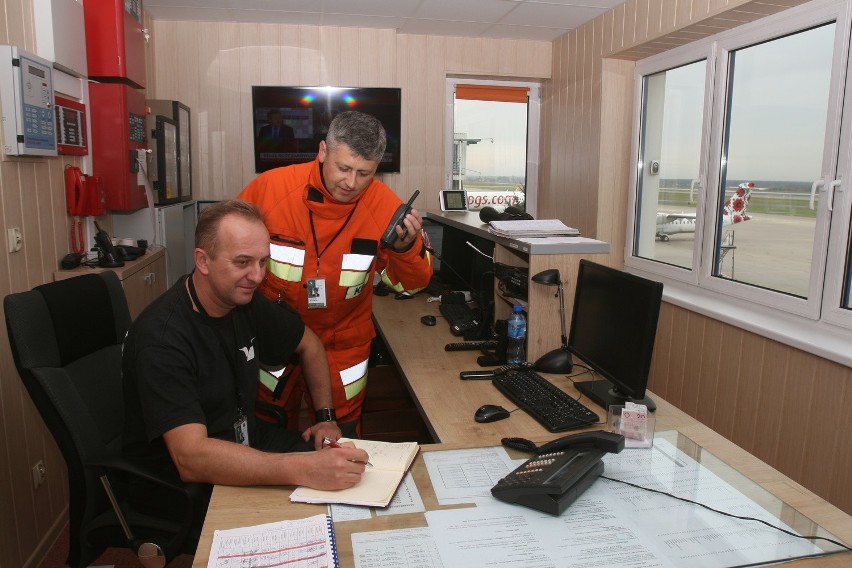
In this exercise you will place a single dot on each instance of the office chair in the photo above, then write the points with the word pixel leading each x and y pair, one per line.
pixel 66 340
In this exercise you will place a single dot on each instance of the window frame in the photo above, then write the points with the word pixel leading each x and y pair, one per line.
pixel 533 132
pixel 817 324
pixel 679 57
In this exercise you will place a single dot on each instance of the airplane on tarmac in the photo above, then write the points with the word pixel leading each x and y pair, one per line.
pixel 733 212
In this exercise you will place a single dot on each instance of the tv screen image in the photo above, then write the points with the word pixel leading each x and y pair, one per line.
pixel 613 328
pixel 288 123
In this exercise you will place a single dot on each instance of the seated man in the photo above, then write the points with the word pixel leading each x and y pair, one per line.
pixel 191 363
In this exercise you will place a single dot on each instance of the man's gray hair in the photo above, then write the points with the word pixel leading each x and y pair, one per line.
pixel 363 133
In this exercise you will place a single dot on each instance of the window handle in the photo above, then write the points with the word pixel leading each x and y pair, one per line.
pixel 814 186
pixel 695 183
pixel 835 185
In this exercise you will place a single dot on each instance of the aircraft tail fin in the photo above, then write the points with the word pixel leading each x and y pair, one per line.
pixel 736 206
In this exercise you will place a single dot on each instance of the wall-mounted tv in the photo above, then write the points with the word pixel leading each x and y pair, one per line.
pixel 289 122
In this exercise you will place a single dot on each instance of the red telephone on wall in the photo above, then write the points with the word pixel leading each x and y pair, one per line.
pixel 83 194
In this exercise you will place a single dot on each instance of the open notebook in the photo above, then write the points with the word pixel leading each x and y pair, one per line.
pixel 378 484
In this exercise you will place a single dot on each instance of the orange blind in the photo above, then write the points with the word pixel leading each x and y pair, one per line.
pixel 492 93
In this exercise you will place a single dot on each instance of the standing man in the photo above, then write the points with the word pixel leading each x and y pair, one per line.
pixel 191 362
pixel 326 219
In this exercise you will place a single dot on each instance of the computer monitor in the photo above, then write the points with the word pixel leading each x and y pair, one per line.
pixel 612 330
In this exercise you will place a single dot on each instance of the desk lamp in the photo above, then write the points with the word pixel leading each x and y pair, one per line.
pixel 558 360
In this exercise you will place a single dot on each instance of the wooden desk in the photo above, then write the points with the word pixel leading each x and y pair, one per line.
pixel 233 507
pixel 448 404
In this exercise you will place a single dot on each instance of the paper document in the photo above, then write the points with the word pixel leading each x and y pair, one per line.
pixel 402 548
pixel 467 476
pixel 303 543
pixel 389 462
pixel 531 228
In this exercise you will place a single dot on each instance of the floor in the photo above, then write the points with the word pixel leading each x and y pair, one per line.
pixel 111 558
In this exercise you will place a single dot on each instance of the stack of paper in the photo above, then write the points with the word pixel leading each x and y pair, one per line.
pixel 531 228
pixel 389 462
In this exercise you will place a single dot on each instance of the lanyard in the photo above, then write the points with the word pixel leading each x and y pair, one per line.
pixel 337 234
pixel 227 349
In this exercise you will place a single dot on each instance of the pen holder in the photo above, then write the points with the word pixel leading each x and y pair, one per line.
pixel 637 428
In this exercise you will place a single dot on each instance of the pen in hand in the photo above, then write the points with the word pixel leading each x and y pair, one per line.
pixel 332 444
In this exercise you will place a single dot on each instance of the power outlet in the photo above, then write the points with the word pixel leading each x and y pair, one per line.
pixel 39 474
pixel 15 239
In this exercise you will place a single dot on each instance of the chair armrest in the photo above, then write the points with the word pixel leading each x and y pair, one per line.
pixel 120 464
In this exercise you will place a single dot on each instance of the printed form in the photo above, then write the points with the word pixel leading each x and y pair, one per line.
pixel 302 543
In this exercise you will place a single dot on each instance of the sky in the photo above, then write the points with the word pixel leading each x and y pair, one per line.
pixel 777 116
pixel 502 128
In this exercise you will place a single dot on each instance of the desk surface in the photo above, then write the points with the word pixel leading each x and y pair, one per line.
pixel 448 404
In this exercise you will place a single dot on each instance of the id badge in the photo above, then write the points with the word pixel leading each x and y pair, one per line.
pixel 316 292
pixel 241 430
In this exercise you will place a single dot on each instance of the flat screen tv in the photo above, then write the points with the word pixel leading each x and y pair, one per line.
pixel 612 330
pixel 289 122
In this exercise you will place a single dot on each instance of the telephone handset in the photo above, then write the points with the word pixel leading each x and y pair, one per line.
pixel 109 256
pixel 560 472
pixel 83 194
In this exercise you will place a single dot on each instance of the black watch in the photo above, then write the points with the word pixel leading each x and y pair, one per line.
pixel 325 415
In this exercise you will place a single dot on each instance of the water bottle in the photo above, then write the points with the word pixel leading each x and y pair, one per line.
pixel 517 333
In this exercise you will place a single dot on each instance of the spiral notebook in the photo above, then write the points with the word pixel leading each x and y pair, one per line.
pixel 300 543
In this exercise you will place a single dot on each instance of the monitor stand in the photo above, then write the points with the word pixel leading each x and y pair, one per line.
pixel 604 393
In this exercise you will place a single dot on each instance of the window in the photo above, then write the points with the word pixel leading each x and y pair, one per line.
pixel 740 149
pixel 671 144
pixel 492 146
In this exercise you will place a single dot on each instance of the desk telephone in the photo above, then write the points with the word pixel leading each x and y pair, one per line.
pixel 560 471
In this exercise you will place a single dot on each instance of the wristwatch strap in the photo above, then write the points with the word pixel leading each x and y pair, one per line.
pixel 325 415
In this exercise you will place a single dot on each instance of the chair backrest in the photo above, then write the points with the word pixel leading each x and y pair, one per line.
pixel 66 339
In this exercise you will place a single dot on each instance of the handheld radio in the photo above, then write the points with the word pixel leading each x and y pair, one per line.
pixel 389 237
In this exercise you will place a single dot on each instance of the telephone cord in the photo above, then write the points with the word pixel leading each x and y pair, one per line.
pixel 77 246
pixel 740 517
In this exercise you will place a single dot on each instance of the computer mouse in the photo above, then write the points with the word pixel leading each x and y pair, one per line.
pixel 490 413
pixel 428 320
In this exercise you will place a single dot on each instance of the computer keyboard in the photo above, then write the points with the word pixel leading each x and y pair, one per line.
pixel 460 317
pixel 555 409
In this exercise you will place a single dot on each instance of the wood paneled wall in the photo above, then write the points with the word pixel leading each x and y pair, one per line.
pixel 783 405
pixel 211 67
pixel 31 198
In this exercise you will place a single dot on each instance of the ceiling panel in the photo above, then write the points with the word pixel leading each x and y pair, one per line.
pixel 539 20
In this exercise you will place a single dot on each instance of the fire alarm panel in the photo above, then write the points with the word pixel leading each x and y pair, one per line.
pixel 26 94
pixel 71 127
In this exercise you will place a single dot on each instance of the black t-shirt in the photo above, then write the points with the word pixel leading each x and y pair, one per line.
pixel 183 367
